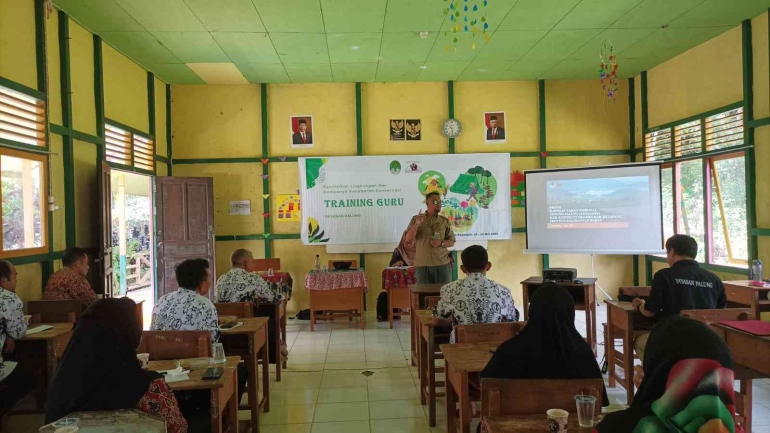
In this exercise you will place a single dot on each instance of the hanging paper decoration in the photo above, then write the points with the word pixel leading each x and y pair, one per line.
pixel 473 19
pixel 518 190
pixel 608 71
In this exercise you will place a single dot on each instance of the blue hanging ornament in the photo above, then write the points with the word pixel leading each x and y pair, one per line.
pixel 486 26
pixel 485 2
pixel 465 8
pixel 475 8
pixel 452 6
pixel 466 28
pixel 466 19
pixel 451 17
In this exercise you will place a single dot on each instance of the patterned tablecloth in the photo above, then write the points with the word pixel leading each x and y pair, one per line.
pixel 280 281
pixel 331 280
pixel 393 278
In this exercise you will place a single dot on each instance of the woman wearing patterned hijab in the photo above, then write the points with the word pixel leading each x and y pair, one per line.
pixel 687 386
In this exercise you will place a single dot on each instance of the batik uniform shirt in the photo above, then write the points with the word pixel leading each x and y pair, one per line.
pixel 12 324
pixel 66 284
pixel 240 285
pixel 159 401
pixel 185 310
pixel 475 300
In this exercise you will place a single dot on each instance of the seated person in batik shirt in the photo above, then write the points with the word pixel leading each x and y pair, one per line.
pixel 17 379
pixel 475 299
pixel 241 284
pixel 70 283
pixel 188 308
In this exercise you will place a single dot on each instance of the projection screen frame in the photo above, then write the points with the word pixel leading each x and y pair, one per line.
pixel 527 250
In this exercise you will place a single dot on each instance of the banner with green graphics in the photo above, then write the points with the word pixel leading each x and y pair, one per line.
pixel 371 199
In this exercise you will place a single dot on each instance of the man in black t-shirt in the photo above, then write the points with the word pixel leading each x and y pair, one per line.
pixel 683 286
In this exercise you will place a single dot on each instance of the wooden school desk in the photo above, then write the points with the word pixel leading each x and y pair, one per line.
pixel 44 349
pixel 255 329
pixel 396 281
pixel 460 361
pixel 749 350
pixel 529 424
pixel 337 291
pixel 740 292
pixel 622 319
pixel 427 360
pixel 276 330
pixel 224 391
pixel 585 299
pixel 418 292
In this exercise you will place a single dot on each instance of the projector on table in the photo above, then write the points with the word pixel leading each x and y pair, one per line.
pixel 559 274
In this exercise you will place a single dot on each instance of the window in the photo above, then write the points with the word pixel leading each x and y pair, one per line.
pixel 22 118
pixel 703 184
pixel 128 148
pixel 24 215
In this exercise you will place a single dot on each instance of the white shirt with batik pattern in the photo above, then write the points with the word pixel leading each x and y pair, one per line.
pixel 185 310
pixel 240 285
pixel 12 324
pixel 475 300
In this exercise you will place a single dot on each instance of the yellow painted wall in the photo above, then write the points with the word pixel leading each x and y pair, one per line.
pixel 231 182
pixel 216 121
pixel 161 144
pixel 759 45
pixel 54 70
pixel 333 107
pixel 383 102
pixel 82 67
pixel 17 42
pixel 578 117
pixel 706 77
pixel 519 101
pixel 125 90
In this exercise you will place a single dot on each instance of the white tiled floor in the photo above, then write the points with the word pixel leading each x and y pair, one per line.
pixel 325 390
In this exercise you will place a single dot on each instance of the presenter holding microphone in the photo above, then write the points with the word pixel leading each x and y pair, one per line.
pixel 431 234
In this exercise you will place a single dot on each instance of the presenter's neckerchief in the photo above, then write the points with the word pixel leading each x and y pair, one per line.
pixel 687 386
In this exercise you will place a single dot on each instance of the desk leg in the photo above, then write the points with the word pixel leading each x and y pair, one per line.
pixel 390 307
pixel 283 333
pixel 361 310
pixel 628 362
pixel 755 307
pixel 746 390
pixel 609 348
pixel 415 333
pixel 232 408
pixel 277 340
pixel 431 370
pixel 465 404
pixel 216 420
pixel 525 302
pixel 312 313
pixel 451 399
pixel 422 363
pixel 251 368
pixel 265 373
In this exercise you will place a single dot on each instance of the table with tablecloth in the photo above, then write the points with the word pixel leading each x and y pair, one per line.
pixel 337 291
pixel 396 282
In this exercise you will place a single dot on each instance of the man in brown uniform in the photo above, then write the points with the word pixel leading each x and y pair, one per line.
pixel 432 235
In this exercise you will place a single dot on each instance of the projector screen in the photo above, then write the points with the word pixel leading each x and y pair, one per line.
pixel 612 209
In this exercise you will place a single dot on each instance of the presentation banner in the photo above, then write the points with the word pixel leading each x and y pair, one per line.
pixel 371 199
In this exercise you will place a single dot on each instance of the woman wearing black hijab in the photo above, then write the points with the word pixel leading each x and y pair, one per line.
pixel 687 386
pixel 99 370
pixel 549 346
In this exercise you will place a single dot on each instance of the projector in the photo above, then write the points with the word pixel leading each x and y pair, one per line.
pixel 559 274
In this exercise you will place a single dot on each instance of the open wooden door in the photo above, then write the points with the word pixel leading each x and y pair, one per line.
pixel 185 226
pixel 104 257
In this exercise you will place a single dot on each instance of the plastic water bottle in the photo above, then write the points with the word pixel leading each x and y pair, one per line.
pixel 755 272
pixel 317 263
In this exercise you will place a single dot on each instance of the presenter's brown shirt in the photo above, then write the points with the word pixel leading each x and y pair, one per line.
pixel 427 255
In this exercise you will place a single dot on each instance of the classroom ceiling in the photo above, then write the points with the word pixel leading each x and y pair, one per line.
pixel 308 41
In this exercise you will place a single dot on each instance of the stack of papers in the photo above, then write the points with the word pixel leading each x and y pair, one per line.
pixel 176 375
pixel 37 329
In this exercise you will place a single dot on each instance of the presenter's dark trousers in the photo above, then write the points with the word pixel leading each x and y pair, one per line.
pixel 434 274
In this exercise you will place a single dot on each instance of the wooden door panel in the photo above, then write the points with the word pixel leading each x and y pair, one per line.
pixel 185 215
pixel 197 212
pixel 173 212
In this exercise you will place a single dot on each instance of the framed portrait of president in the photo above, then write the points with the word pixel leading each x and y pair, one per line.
pixel 494 127
pixel 302 131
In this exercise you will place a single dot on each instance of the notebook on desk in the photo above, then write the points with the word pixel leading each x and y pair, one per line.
pixel 38 329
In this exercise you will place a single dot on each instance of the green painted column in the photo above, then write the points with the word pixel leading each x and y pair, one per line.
pixel 265 170
pixel 750 159
pixel 450 86
pixel 546 261
pixel 69 151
